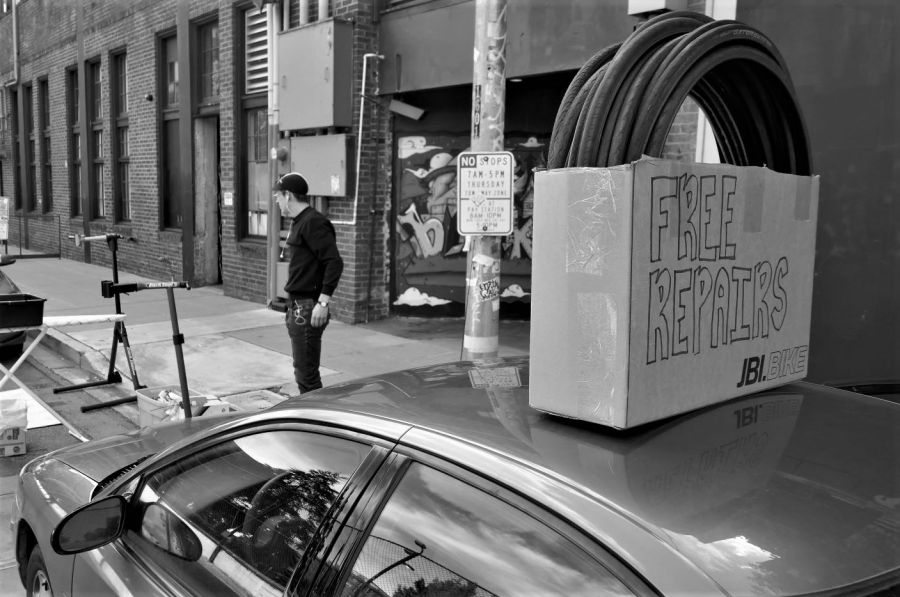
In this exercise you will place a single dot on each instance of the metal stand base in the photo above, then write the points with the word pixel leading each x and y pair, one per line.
pixel 114 378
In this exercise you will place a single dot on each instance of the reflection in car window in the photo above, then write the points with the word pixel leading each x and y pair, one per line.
pixel 440 536
pixel 253 504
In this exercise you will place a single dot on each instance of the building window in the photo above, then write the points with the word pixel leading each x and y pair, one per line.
pixel 209 63
pixel 170 159
pixel 95 121
pixel 30 137
pixel 170 72
pixel 120 149
pixel 14 130
pixel 46 159
pixel 74 142
pixel 258 195
pixel 313 13
pixel 257 191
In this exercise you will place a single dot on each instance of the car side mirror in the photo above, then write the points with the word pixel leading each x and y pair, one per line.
pixel 90 526
pixel 169 533
pixel 6 260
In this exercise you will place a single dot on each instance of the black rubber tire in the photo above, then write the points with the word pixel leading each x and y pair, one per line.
pixel 36 573
pixel 621 104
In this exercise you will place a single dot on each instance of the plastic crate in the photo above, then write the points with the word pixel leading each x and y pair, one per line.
pixel 21 310
pixel 152 410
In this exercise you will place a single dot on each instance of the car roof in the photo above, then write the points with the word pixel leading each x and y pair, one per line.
pixel 794 489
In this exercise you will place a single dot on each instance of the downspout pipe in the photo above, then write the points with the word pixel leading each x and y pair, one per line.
pixel 362 100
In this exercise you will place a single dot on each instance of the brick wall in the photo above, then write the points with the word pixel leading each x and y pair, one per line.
pixel 362 293
pixel 132 26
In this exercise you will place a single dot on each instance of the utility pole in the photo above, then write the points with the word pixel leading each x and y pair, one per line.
pixel 488 117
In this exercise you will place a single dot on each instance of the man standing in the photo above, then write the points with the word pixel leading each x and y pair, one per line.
pixel 313 273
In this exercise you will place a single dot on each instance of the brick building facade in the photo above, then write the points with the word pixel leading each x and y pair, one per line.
pixel 100 114
pixel 124 168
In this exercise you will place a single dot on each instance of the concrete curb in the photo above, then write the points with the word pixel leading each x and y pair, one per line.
pixel 87 358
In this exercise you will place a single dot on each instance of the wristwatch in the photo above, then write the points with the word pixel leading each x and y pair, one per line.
pixel 323 303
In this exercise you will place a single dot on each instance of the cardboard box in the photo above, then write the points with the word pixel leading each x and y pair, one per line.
pixel 12 441
pixel 659 287
pixel 16 449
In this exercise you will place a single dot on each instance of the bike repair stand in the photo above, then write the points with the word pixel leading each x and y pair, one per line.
pixel 119 333
pixel 114 289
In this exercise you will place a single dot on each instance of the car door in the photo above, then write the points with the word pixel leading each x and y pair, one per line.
pixel 233 516
pixel 429 527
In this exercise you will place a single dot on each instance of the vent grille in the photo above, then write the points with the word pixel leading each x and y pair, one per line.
pixel 256 64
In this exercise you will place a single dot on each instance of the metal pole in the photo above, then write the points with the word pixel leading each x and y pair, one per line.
pixel 178 340
pixel 481 338
pixel 274 220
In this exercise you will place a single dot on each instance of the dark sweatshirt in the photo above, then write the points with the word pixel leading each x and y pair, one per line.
pixel 316 266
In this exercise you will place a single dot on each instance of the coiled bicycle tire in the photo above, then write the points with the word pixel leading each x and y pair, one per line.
pixel 622 102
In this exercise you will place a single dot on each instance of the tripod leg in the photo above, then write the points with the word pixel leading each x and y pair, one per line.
pixel 111 377
pixel 117 401
pixel 177 341
pixel 129 356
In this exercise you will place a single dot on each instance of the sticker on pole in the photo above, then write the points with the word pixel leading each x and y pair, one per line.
pixel 485 187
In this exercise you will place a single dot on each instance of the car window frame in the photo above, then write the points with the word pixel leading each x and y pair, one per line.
pixel 352 490
pixel 343 557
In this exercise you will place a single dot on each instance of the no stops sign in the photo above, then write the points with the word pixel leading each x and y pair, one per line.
pixel 485 189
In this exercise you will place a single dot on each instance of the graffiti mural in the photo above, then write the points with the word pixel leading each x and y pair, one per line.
pixel 428 251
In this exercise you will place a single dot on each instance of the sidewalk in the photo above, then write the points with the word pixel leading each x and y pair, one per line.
pixel 234 349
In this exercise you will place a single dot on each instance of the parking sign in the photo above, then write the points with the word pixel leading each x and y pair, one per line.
pixel 485 187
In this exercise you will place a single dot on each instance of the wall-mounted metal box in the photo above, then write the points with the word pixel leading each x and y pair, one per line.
pixel 315 75
pixel 325 161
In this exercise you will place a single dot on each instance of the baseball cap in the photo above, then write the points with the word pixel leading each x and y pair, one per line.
pixel 293 182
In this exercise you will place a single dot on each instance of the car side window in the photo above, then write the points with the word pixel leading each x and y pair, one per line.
pixel 438 535
pixel 235 518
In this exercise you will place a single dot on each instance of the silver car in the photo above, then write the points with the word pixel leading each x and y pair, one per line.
pixel 443 481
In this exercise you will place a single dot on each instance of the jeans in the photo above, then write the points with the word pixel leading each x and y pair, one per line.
pixel 306 343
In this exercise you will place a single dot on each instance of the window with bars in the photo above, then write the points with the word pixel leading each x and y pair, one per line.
pixel 30 137
pixel 74 142
pixel 95 121
pixel 120 150
pixel 46 161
